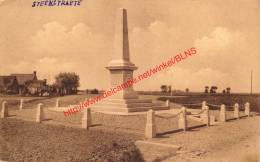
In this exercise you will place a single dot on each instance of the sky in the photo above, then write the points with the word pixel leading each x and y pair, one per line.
pixel 80 39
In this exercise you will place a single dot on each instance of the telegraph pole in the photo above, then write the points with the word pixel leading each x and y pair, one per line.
pixel 251 82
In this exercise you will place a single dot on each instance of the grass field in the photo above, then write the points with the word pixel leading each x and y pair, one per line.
pixel 30 141
pixel 190 98
pixel 31 102
pixel 217 99
pixel 125 123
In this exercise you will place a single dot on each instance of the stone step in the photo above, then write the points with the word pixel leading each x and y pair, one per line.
pixel 128 105
pixel 127 101
pixel 106 108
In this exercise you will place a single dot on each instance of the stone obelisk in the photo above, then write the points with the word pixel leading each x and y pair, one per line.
pixel 121 68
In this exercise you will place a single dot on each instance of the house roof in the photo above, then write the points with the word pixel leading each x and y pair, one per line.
pixel 23 78
pixel 36 82
pixel 7 80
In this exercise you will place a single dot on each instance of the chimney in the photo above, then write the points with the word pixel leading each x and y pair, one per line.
pixel 34 75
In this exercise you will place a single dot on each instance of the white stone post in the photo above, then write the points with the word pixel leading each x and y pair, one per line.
pixel 57 102
pixel 204 103
pixel 39 113
pixel 167 103
pixel 205 116
pixel 182 123
pixel 222 113
pixel 150 129
pixel 87 119
pixel 236 111
pixel 21 104
pixel 4 112
pixel 247 109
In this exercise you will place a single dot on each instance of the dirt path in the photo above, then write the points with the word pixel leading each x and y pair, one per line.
pixel 234 141
pixel 247 150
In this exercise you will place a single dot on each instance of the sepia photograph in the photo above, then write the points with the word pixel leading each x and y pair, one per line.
pixel 129 81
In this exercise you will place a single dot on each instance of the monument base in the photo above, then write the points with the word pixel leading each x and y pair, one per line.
pixel 127 106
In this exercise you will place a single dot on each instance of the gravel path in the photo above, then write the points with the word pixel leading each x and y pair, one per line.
pixel 233 141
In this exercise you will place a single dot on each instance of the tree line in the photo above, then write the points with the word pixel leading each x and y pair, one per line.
pixel 213 89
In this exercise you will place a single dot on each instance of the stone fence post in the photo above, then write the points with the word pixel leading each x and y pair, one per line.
pixel 150 129
pixel 222 114
pixel 87 119
pixel 236 111
pixel 39 113
pixel 204 103
pixel 182 122
pixel 4 112
pixel 247 109
pixel 57 102
pixel 205 116
pixel 21 104
pixel 167 103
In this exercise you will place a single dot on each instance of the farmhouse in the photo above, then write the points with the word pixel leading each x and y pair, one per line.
pixel 22 84
pixel 36 87
pixel 23 79
pixel 8 84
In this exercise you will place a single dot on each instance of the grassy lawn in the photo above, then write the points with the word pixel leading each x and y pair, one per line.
pixel 218 99
pixel 31 102
pixel 29 141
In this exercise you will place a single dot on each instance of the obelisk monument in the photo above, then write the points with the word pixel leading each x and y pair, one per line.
pixel 121 70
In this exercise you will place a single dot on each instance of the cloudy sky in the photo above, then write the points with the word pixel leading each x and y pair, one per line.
pixel 80 39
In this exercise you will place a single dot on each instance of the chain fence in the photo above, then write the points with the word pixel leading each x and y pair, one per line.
pixel 196 114
pixel 192 104
pixel 168 116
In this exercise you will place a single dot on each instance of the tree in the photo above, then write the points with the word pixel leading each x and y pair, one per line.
pixel 213 89
pixel 206 89
pixel 67 83
pixel 169 88
pixel 228 89
pixel 224 91
pixel 164 88
pixel 187 90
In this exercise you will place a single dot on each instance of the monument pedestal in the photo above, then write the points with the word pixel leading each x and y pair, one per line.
pixel 127 106
pixel 121 70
